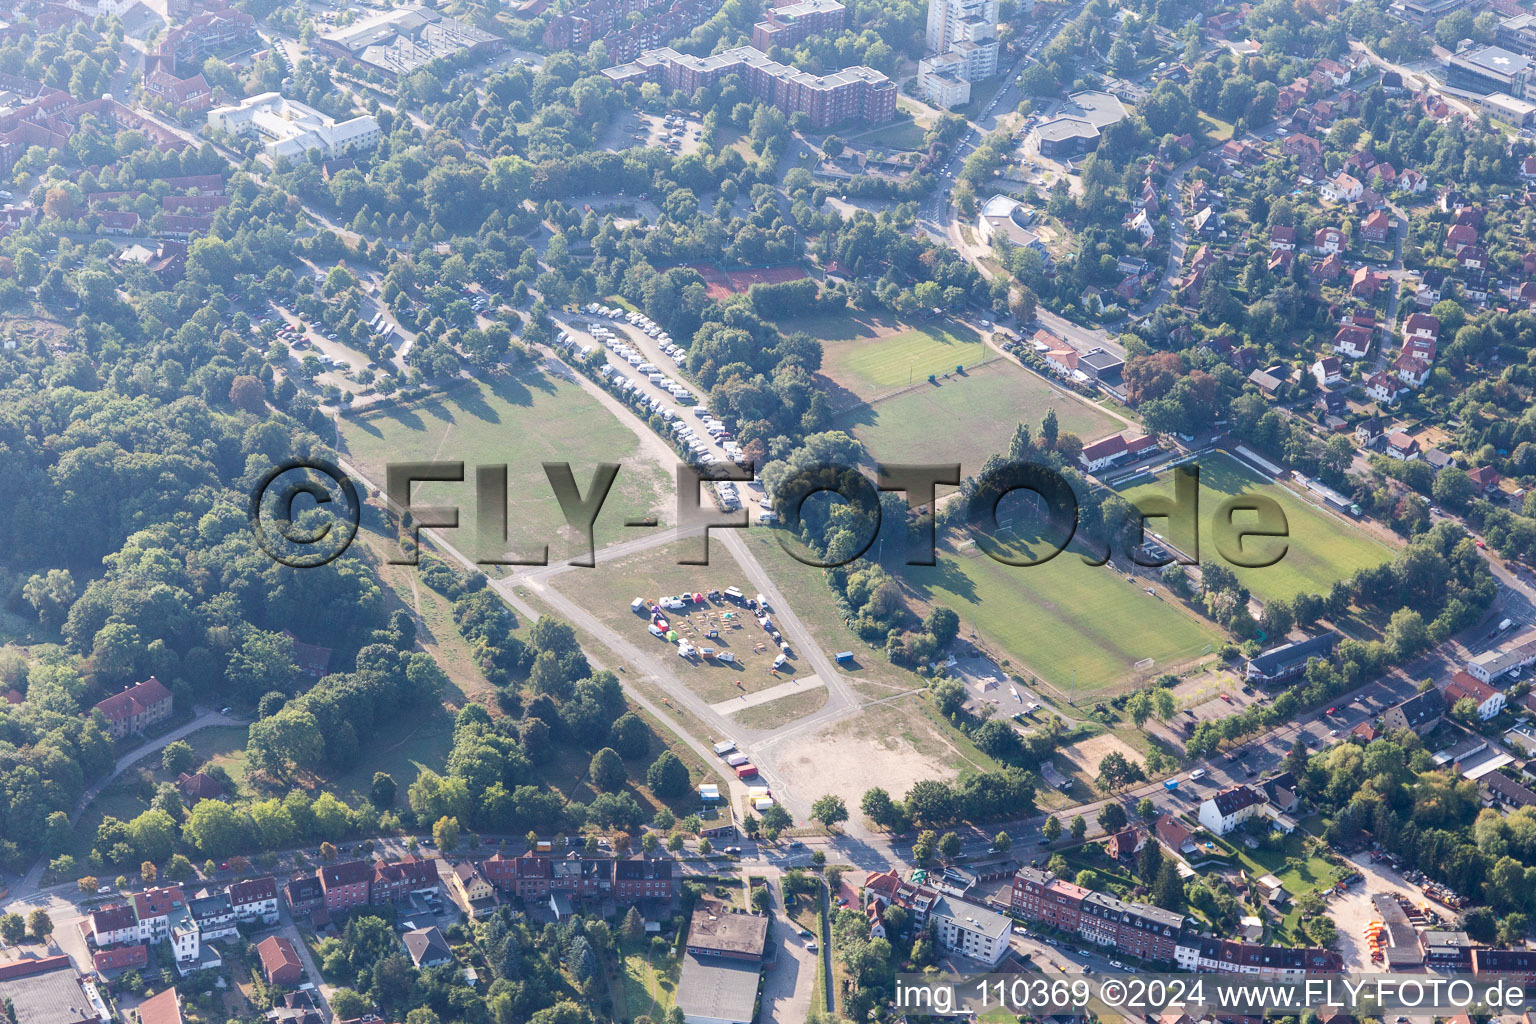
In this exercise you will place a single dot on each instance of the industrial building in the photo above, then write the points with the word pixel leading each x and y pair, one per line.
pixel 722 965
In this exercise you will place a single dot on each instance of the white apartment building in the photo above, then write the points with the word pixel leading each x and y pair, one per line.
pixel 293 129
pixel 971 930
pixel 962 45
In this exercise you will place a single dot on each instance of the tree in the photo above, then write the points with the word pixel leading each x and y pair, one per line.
pixel 667 776
pixel 348 1004
pixel 761 901
pixel 1051 829
pixel 879 808
pixel 949 845
pixel 382 792
pixel 88 884
pixel 924 846
pixel 178 757
pixel 13 928
pixel 148 872
pixel 1078 828
pixel 445 833
pixel 830 810
pixel 40 924
pixel 1002 842
pixel 607 770
pixel 247 394
pixel 705 847
pixel 633 927
pixel 1146 810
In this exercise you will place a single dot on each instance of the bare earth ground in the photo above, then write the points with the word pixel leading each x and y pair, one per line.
pixel 1083 757
pixel 1352 911
pixel 884 746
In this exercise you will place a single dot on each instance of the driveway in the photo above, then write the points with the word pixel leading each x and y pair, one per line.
pixel 787 989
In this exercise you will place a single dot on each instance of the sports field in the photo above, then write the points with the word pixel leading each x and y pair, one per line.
pixel 967 418
pixel 1322 547
pixel 1080 628
pixel 874 366
pixel 520 422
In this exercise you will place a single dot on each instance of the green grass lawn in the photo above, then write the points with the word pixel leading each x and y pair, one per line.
pixel 968 418
pixel 1081 628
pixel 650 986
pixel 519 421
pixel 897 135
pixel 1322 547
pixel 782 711
pixel 873 367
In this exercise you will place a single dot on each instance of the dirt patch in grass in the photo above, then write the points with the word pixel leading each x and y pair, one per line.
pixel 1083 757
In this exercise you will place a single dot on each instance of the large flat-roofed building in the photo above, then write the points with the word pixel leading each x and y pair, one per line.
pixel 293 129
pixel 970 930
pixel 1078 124
pixel 1512 109
pixel 941 80
pixel 854 94
pixel 793 23
pixel 722 964
pixel 1486 69
pixel 1288 661
pixel 404 40
pixel 47 991
pixel 715 991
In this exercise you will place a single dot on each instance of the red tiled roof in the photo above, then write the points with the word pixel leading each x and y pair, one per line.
pixel 135 700
pixel 164 1008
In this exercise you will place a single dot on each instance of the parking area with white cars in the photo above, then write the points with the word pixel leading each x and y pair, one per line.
pixel 635 344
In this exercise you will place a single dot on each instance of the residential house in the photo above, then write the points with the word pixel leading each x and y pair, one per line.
pixel 1342 188
pixel 428 948
pixel 304 894
pixel 1229 808
pixel 110 962
pixel 1366 283
pixel 1431 288
pixel 136 708
pixel 198 787
pixel 1329 269
pixel 1104 453
pixel 1411 370
pixel 1462 686
pixel 1484 478
pixel 1421 325
pixel 1352 341
pixel 1412 181
pixel 1502 789
pixel 394 881
pixel 1402 447
pixel 1421 713
pixel 1385 388
pixel 1328 240
pixel 1307 151
pixel 280 963
pixel 1282 236
pixel 346 885
pixel 470 890
pixel 1175 835
pixel 1460 236
pixel 1125 844
pixel 1376 227
pixel 254 900
pixel 1472 257
pixel 1268 382
pixel 1328 371
pixel 1369 432
pixel 214 915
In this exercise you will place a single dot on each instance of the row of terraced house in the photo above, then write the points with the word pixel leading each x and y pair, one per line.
pixel 1152 933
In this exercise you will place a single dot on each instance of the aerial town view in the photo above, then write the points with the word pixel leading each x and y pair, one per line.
pixel 767 511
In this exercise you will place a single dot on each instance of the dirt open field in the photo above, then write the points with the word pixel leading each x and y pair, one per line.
pixel 1082 758
pixel 888 745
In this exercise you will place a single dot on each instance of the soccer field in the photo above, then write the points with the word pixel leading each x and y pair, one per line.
pixel 874 366
pixel 520 422
pixel 1322 547
pixel 1081 628
pixel 967 418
